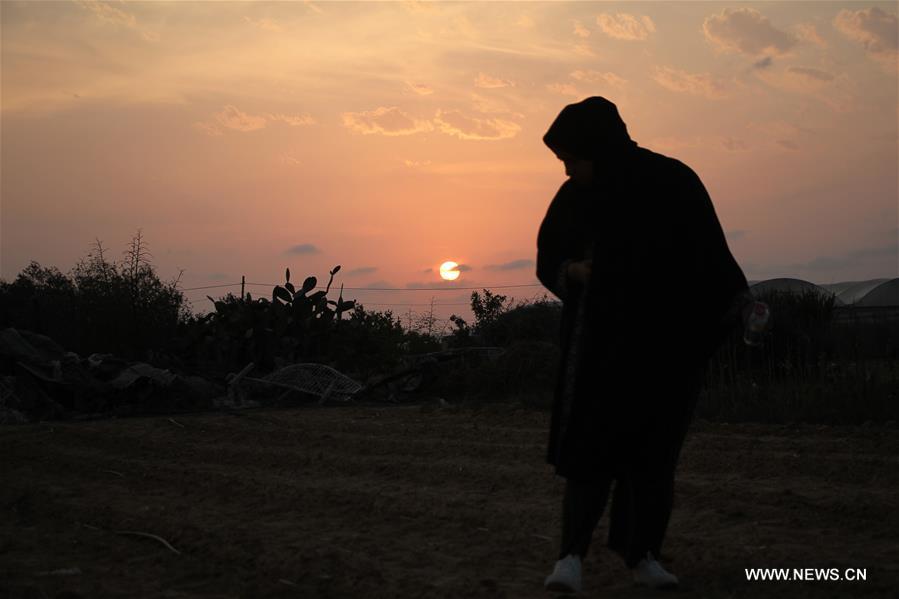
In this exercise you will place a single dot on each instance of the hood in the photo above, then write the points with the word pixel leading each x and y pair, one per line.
pixel 590 129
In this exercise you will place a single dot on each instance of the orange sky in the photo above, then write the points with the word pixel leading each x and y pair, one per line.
pixel 243 138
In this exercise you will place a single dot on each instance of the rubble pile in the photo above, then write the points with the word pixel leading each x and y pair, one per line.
pixel 40 380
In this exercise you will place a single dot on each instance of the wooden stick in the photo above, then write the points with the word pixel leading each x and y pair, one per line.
pixel 149 536
pixel 235 379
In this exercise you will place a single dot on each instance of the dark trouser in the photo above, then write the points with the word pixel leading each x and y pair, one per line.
pixel 641 507
pixel 641 502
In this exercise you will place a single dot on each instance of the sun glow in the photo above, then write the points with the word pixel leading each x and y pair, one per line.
pixel 448 271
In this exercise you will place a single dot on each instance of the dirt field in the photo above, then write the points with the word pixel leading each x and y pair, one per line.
pixel 417 501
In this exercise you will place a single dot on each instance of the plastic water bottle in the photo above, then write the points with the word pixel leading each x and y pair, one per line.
pixel 756 324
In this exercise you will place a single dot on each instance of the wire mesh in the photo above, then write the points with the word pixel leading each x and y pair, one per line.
pixel 315 379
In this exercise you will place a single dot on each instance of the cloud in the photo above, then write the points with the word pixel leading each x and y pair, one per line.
pixel 421 7
pixel 763 63
pixel 565 89
pixel 386 121
pixel 525 22
pixel 697 84
pixel 788 144
pixel 747 31
pixel 464 268
pixel 513 265
pixel 778 128
pixel 232 117
pixel 207 128
pixel 507 168
pixel 588 76
pixel 303 249
pixel 313 7
pixel 416 163
pixel 297 120
pixel 851 259
pixel 624 26
pixel 109 13
pixel 732 144
pixel 809 33
pixel 488 82
pixel 362 270
pixel 453 122
pixel 266 24
pixel 493 106
pixel 435 283
pixel 875 29
pixel 459 26
pixel 580 30
pixel 382 284
pixel 106 11
pixel 288 159
pixel 811 73
pixel 420 88
pixel 668 144
pixel 811 81
pixel 584 49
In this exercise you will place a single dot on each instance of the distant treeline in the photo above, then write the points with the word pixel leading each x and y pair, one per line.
pixel 813 367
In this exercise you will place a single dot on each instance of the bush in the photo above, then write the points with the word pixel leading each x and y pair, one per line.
pixel 368 343
pixel 499 323
pixel 526 371
pixel 100 306
pixel 811 368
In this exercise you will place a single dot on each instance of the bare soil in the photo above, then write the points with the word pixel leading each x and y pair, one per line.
pixel 418 501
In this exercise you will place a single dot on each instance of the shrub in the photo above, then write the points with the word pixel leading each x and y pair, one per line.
pixel 498 322
pixel 100 306
pixel 811 368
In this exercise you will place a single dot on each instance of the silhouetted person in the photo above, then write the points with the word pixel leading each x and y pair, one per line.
pixel 633 248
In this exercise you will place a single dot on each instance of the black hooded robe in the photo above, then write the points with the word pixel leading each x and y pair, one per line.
pixel 662 297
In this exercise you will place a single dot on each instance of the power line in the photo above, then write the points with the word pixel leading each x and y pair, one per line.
pixel 211 287
pixel 377 288
pixel 420 288
pixel 200 299
pixel 428 304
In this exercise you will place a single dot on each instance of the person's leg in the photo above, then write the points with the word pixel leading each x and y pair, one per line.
pixel 651 489
pixel 621 517
pixel 582 507
pixel 651 496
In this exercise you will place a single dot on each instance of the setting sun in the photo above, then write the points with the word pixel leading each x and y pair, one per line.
pixel 448 271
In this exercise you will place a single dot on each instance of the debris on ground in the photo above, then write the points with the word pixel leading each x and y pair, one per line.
pixel 39 380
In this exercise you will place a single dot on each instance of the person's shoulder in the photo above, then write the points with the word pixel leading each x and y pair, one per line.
pixel 672 166
pixel 568 192
pixel 568 188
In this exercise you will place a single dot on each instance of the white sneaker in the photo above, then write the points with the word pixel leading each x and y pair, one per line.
pixel 566 576
pixel 650 573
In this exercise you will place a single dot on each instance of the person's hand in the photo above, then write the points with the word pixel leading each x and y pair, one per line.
pixel 580 271
pixel 745 311
pixel 756 322
pixel 759 308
